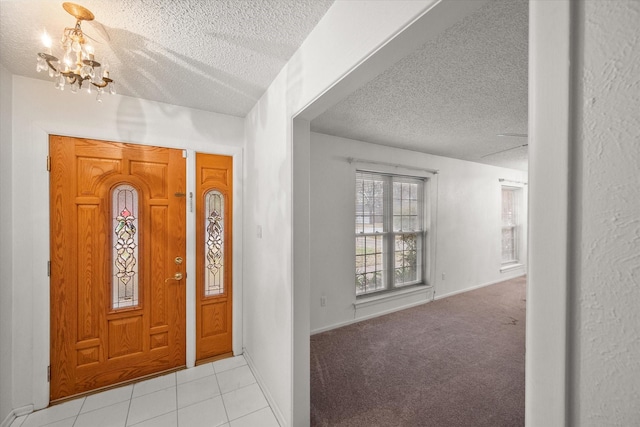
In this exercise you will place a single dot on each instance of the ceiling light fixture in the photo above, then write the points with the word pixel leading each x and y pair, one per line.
pixel 78 65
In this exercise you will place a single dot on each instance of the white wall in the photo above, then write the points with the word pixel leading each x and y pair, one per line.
pixel 6 287
pixel 467 238
pixel 347 34
pixel 39 109
pixel 606 305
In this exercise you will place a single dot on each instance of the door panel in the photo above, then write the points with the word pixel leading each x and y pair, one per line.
pixel 102 252
pixel 214 207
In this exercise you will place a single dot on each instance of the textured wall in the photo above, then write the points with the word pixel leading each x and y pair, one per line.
pixel 607 377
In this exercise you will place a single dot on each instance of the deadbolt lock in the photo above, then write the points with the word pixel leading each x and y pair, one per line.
pixel 178 260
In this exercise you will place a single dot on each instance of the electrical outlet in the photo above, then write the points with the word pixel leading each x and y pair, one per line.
pixel 323 301
pixel 443 276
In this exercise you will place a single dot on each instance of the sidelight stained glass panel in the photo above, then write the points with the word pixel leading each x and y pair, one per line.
pixel 214 243
pixel 124 211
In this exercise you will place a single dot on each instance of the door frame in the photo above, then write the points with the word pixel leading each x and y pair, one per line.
pixel 41 295
pixel 550 267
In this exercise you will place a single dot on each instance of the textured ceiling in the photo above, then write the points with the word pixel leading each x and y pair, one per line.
pixel 213 55
pixel 451 97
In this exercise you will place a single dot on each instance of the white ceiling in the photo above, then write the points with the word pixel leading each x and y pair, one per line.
pixel 451 97
pixel 212 55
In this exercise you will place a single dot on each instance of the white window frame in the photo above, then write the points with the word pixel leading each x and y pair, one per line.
pixel 516 227
pixel 389 235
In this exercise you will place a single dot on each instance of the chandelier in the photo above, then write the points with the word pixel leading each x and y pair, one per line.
pixel 78 65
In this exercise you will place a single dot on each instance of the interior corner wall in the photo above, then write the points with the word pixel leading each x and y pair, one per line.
pixel 467 226
pixel 606 376
pixel 39 110
pixel 6 238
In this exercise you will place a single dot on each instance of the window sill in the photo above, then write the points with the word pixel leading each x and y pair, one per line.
pixel 366 301
pixel 510 267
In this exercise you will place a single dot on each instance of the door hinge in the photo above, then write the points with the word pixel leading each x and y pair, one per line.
pixel 184 154
pixel 49 373
pixel 48 268
pixel 49 163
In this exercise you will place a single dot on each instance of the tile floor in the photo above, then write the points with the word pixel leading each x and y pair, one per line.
pixel 222 393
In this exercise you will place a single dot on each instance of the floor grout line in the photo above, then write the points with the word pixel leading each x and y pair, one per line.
pixel 126 419
pixel 226 413
pixel 177 407
pixel 130 399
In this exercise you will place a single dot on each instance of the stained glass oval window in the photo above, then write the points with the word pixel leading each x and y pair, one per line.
pixel 124 211
pixel 214 243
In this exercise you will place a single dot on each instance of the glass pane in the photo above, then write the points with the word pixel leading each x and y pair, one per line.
pixel 405 205
pixel 508 207
pixel 397 223
pixel 124 211
pixel 508 245
pixel 369 203
pixel 397 191
pixel 214 243
pixel 409 223
pixel 406 259
pixel 369 264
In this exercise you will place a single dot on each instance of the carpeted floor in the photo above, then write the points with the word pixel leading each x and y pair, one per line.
pixel 458 361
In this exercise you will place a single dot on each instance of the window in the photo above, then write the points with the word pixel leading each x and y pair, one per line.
pixel 510 225
pixel 390 232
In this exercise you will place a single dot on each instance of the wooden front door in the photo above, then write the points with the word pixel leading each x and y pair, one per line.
pixel 117 261
pixel 213 255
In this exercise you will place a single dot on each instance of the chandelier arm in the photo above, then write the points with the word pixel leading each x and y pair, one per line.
pixel 72 78
pixel 51 66
pixel 104 83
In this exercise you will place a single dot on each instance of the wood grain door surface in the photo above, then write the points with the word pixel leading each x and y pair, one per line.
pixel 213 255
pixel 93 344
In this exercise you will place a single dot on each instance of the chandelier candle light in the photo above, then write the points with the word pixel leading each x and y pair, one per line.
pixel 78 64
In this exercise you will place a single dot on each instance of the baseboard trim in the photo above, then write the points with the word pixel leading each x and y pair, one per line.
pixel 406 306
pixel 265 390
pixel 473 288
pixel 370 316
pixel 15 413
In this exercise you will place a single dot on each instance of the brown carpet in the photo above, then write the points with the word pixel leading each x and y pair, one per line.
pixel 458 361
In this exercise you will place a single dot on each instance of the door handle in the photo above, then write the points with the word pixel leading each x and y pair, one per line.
pixel 178 276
